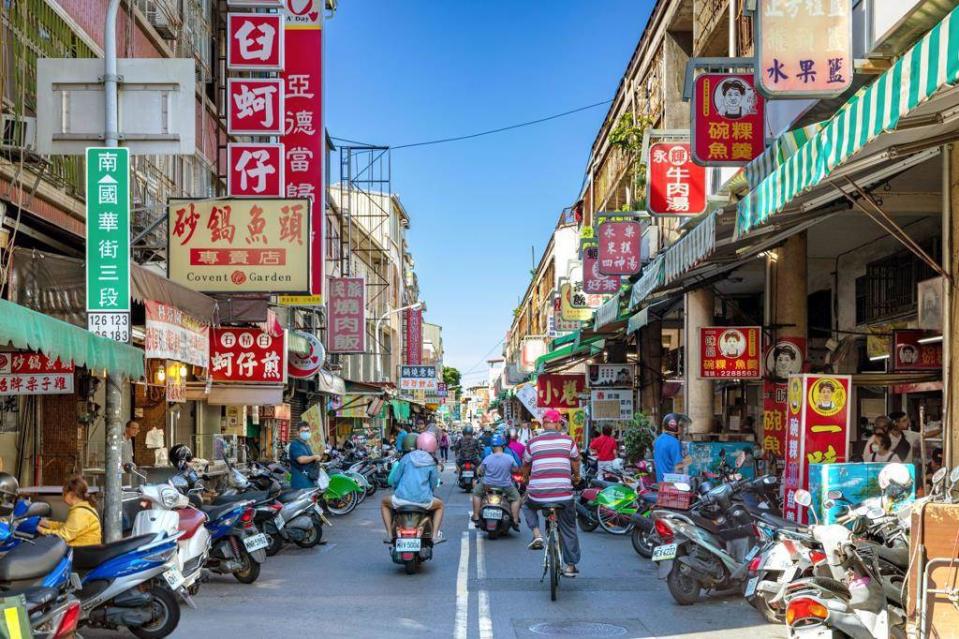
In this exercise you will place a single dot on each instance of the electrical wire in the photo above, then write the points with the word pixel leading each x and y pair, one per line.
pixel 470 136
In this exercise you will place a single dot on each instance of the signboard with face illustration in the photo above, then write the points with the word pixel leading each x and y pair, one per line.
pixel 911 354
pixel 728 118
pixel 817 431
pixel 730 352
pixel 784 358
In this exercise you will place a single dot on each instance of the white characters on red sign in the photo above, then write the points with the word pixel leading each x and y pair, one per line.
pixel 299 159
pixel 298 86
pixel 258 170
pixel 271 365
pixel 249 102
pixel 299 122
pixel 257 41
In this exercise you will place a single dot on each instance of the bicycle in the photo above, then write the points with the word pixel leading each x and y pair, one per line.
pixel 553 554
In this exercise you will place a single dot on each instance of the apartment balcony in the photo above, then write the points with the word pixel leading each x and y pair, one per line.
pixel 710 28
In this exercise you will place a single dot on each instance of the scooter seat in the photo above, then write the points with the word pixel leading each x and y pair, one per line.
pixel 898 557
pixel 547 505
pixel 89 557
pixel 32 560
pixel 780 523
pixel 252 495
pixel 650 497
pixel 216 511
pixel 289 496
pixel 411 509
pixel 602 483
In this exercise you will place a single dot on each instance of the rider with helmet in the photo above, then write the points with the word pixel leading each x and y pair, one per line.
pixel 496 471
pixel 414 478
pixel 468 448
pixel 667 450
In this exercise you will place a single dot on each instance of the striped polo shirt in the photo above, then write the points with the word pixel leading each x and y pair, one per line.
pixel 551 472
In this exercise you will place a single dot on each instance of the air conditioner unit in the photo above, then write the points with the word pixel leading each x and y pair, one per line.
pixel 19 131
pixel 162 16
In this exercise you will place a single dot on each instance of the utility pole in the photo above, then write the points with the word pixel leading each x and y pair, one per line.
pixel 113 482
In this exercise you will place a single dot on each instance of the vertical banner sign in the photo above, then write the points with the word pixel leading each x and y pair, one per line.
pixel 255 106
pixel 676 185
pixel 413 336
pixel 784 358
pixel 347 315
pixel 255 169
pixel 108 242
pixel 303 135
pixel 595 282
pixel 728 116
pixel 804 49
pixel 619 248
pixel 818 430
pixel 256 42
pixel 730 352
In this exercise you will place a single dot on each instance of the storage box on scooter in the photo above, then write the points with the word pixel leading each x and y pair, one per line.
pixel 671 497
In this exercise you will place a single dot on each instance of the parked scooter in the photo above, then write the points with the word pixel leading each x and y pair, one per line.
pixel 292 522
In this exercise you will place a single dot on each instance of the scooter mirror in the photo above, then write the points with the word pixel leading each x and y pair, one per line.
pixel 954 475
pixel 939 476
pixel 875 513
pixel 862 511
pixel 803 498
pixel 683 486
pixel 829 504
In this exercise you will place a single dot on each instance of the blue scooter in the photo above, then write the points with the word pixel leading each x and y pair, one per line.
pixel 238 547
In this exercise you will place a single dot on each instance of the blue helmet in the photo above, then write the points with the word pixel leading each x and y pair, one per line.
pixel 498 440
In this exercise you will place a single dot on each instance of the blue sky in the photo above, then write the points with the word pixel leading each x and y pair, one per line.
pixel 402 72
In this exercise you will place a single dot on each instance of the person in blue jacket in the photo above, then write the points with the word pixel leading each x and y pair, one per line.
pixel 303 463
pixel 667 451
pixel 414 478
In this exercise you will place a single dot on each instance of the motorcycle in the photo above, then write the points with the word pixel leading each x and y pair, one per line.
pixel 412 539
pixel 467 475
pixel 290 520
pixel 496 517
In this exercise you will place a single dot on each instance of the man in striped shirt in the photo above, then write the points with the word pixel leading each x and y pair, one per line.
pixel 551 462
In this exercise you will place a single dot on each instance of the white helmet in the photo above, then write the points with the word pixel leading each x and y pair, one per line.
pixel 895 475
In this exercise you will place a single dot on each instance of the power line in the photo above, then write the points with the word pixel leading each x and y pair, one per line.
pixel 470 136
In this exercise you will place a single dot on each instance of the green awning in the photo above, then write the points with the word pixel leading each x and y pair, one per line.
pixel 570 338
pixel 931 65
pixel 401 409
pixel 579 347
pixel 28 329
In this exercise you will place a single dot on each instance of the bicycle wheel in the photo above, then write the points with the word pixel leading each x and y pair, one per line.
pixel 613 522
pixel 554 561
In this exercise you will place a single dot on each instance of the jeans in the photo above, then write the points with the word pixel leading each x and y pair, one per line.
pixel 568 539
pixel 445 452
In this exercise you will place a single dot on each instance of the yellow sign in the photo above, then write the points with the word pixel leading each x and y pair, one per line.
pixel 299 300
pixel 572 304
pixel 240 246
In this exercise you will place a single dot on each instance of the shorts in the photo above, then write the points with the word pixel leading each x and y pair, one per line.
pixel 397 503
pixel 511 493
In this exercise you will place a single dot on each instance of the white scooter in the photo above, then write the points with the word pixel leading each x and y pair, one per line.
pixel 165 509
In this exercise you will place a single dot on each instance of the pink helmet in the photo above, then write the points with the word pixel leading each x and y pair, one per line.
pixel 426 441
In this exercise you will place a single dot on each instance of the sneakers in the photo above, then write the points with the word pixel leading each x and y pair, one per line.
pixel 570 571
pixel 439 538
pixel 536 544
pixel 515 527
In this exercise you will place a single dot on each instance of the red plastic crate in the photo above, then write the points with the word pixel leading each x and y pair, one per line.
pixel 671 497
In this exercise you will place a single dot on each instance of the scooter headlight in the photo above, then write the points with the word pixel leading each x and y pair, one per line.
pixel 169 496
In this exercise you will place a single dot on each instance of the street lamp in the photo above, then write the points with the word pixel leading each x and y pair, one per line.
pixel 376 336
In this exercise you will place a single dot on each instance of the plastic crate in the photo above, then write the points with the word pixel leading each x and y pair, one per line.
pixel 671 497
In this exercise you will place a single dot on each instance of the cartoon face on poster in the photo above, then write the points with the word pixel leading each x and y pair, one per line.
pixel 732 343
pixel 785 358
pixel 734 99
pixel 728 120
pixel 827 397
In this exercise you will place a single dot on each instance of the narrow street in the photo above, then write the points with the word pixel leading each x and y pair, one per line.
pixel 473 589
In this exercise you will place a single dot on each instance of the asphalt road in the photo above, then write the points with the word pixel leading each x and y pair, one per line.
pixel 473 588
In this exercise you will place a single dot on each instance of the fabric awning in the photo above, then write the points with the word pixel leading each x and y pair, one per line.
pixel 147 285
pixel 357 406
pixel 28 329
pixel 932 64
pixel 652 278
pixel 565 339
pixel 580 347
pixel 691 249
pixel 607 313
pixel 327 382
pixel 401 409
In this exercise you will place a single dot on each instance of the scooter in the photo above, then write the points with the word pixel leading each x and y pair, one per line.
pixel 467 475
pixel 495 514
pixel 412 541
pixel 125 584
pixel 293 522
pixel 238 547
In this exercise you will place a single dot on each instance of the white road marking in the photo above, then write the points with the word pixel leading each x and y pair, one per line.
pixel 480 557
pixel 461 624
pixel 485 621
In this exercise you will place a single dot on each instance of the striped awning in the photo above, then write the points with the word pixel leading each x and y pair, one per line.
pixel 651 279
pixel 692 249
pixel 929 66
pixel 778 152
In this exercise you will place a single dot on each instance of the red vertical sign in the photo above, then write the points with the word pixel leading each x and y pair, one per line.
pixel 414 336
pixel 728 120
pixel 303 134
pixel 677 186
pixel 784 358
pixel 619 248
pixel 347 315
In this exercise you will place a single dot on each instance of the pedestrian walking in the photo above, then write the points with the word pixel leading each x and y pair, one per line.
pixel 445 445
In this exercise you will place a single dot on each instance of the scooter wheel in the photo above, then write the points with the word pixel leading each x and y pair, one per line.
pixel 309 540
pixel 275 545
pixel 412 566
pixel 587 524
pixel 772 615
pixel 250 570
pixel 166 615
pixel 642 542
pixel 684 588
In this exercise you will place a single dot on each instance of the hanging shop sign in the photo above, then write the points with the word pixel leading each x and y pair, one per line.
pixel 609 405
pixel 240 246
pixel 27 373
pixel 619 247
pixel 418 378
pixel 817 431
pixel 256 41
pixel 675 184
pixel 413 335
pixel 176 374
pixel 303 138
pixel 730 352
pixel 727 120
pixel 594 281
pixel 255 4
pixel 557 326
pixel 559 391
pixel 575 303
pixel 255 170
pixel 531 349
pixel 347 315
pixel 909 353
pixel 307 365
pixel 442 390
pixel 804 49
pixel 108 242
pixel 172 334
pixel 611 375
pixel 526 394
pixel 256 106
pixel 247 355
pixel 784 358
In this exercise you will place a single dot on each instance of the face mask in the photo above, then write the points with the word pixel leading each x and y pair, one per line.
pixel 305 435
pixel 873 448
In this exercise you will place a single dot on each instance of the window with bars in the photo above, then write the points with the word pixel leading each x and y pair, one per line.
pixel 889 287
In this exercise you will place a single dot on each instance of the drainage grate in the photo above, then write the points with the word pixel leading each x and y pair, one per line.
pixel 577 629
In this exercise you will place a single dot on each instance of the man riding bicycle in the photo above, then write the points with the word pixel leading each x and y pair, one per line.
pixel 496 471
pixel 552 464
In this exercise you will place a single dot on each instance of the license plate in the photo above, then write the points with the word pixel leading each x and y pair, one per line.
pixel 789 574
pixel 408 545
pixel 278 522
pixel 173 578
pixel 467 474
pixel 255 542
pixel 751 586
pixel 492 513
pixel 662 553
pixel 752 553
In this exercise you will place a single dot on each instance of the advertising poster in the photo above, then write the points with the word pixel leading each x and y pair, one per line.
pixel 909 353
pixel 784 358
pixel 26 373
pixel 676 185
pixel 728 119
pixel 611 405
pixel 819 415
pixel 611 375
pixel 559 391
pixel 526 394
pixel 173 334
pixel 730 352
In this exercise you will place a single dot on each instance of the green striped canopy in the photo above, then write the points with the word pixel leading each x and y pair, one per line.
pixel 929 66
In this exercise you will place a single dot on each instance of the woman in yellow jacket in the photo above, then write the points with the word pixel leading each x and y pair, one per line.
pixel 82 527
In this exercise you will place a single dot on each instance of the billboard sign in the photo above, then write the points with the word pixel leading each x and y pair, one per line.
pixel 28 373
pixel 730 352
pixel 676 185
pixel 559 391
pixel 247 355
pixel 728 117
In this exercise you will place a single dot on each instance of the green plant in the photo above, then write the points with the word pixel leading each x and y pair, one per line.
pixel 638 437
